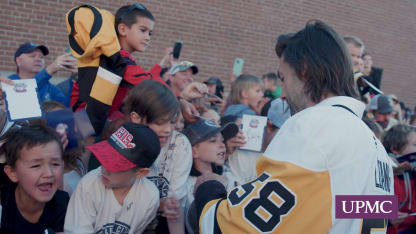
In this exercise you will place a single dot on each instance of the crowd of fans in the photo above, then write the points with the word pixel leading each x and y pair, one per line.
pixel 161 132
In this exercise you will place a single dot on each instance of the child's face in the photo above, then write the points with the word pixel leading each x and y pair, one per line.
pixel 38 171
pixel 254 95
pixel 212 88
pixel 213 116
pixel 139 34
pixel 163 128
pixel 269 85
pixel 212 150
pixel 118 179
pixel 411 145
pixel 180 123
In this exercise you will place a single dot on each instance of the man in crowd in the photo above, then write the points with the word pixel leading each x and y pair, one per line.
pixel 374 73
pixel 381 106
pixel 356 48
pixel 305 165
pixel 30 63
pixel 181 75
pixel 271 89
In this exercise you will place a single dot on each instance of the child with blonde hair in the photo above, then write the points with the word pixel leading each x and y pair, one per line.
pixel 246 96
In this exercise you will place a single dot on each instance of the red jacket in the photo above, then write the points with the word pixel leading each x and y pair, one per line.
pixel 401 192
pixel 133 75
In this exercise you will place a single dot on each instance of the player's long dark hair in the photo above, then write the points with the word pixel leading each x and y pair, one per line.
pixel 320 59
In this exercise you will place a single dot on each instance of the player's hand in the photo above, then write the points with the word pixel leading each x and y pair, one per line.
pixel 194 90
pixel 170 208
pixel 189 111
pixel 207 176
pixel 63 62
pixel 400 218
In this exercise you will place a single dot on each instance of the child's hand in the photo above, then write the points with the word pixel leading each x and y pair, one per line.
pixel 168 57
pixel 170 208
pixel 404 166
pixel 64 140
pixel 400 218
pixel 237 141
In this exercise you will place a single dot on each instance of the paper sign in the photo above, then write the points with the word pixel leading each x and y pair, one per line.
pixel 22 101
pixel 253 128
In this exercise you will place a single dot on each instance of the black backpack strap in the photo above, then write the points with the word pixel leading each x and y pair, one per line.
pixel 346 108
pixel 96 26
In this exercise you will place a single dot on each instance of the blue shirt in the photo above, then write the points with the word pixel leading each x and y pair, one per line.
pixel 46 90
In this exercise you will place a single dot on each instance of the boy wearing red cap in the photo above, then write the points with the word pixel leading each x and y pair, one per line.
pixel 117 196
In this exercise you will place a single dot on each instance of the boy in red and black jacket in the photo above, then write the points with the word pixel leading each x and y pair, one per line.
pixel 134 25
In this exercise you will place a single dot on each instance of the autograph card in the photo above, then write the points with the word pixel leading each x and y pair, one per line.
pixel 253 128
pixel 22 101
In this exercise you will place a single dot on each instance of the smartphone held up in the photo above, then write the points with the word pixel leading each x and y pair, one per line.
pixel 177 47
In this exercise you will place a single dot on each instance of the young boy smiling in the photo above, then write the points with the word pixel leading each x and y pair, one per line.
pixel 32 203
pixel 117 198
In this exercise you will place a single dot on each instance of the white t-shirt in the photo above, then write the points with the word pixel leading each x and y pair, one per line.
pixel 242 164
pixel 93 208
pixel 171 169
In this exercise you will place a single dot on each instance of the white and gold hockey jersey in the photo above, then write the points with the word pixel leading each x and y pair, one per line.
pixel 323 151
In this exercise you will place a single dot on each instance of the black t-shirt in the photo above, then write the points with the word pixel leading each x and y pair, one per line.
pixel 52 218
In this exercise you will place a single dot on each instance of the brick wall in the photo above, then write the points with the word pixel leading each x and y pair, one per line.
pixel 217 31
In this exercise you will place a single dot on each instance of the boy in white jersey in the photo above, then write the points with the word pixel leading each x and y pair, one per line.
pixel 116 197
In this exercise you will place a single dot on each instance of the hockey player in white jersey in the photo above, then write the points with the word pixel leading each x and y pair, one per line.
pixel 323 150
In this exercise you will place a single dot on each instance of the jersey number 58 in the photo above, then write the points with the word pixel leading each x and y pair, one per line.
pixel 265 207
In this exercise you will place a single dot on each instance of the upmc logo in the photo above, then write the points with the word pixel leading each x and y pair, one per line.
pixel 365 207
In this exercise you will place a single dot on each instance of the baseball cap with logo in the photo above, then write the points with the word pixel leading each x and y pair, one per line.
pixel 29 47
pixel 279 112
pixel 132 145
pixel 382 104
pixel 183 66
pixel 202 130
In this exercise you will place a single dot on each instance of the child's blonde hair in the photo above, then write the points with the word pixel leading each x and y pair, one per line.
pixel 243 82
